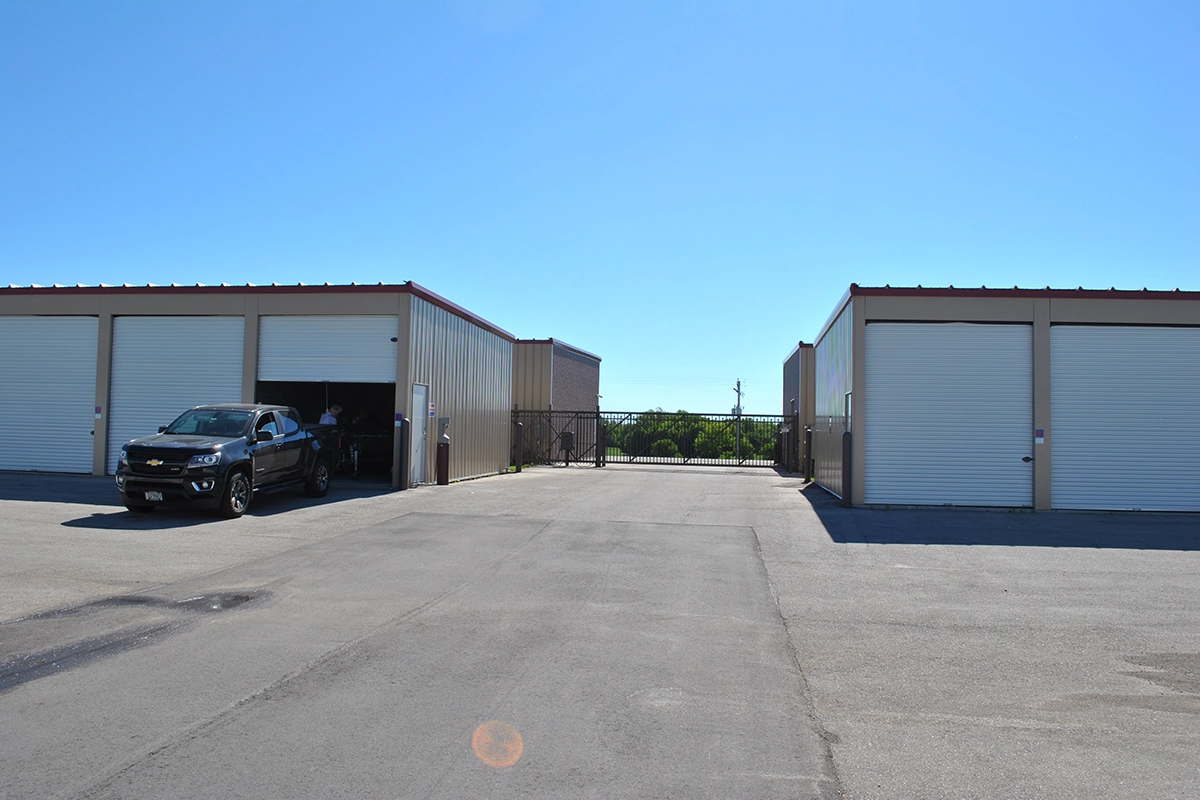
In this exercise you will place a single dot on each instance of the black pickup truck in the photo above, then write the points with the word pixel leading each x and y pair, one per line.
pixel 219 456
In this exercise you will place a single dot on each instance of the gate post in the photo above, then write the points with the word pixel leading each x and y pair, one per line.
pixel 599 440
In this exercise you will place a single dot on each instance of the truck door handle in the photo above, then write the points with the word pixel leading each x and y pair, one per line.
pixel 1027 459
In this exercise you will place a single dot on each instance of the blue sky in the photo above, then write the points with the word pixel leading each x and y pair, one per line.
pixel 685 189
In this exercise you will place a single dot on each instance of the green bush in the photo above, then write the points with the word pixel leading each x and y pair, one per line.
pixel 715 442
pixel 664 448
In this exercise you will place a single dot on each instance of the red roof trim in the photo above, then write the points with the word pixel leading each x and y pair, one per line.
pixel 405 288
pixel 380 288
pixel 1080 293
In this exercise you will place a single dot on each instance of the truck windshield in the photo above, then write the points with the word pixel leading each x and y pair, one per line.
pixel 202 422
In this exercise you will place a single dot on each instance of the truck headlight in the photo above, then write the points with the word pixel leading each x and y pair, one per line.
pixel 209 460
pixel 124 458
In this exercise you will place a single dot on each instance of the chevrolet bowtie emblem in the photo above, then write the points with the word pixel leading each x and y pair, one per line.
pixel 154 462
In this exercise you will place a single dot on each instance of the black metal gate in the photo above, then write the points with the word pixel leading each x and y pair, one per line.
pixel 654 437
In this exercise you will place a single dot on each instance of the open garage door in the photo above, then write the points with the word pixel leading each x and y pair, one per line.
pixel 948 414
pixel 312 362
pixel 162 366
pixel 315 349
pixel 48 386
pixel 1125 417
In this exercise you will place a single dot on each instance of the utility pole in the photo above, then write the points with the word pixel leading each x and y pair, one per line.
pixel 737 410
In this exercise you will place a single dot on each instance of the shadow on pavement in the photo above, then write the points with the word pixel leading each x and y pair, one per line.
pixel 1002 527
pixel 50 487
pixel 93 490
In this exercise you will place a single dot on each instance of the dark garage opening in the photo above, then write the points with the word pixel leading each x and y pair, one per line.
pixel 364 426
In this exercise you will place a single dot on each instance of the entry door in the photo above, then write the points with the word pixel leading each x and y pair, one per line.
pixel 948 414
pixel 420 425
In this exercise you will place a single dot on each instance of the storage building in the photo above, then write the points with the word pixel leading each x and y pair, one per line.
pixel 85 369
pixel 1071 399
pixel 799 371
pixel 551 375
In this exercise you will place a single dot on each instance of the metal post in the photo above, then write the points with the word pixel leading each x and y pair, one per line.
pixel 443 464
pixel 847 472
pixel 797 438
pixel 807 455
pixel 599 440
pixel 737 452
pixel 520 445
pixel 404 474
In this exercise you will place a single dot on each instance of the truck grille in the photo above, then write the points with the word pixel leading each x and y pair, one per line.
pixel 140 465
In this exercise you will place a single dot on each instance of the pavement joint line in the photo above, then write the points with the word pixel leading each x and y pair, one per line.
pixel 823 734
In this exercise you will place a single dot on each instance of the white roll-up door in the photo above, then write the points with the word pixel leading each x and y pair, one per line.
pixel 1125 417
pixel 48 392
pixel 344 349
pixel 162 366
pixel 948 414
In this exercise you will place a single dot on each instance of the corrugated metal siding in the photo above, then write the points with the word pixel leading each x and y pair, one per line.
pixel 532 375
pixel 48 391
pixel 834 377
pixel 469 372
pixel 162 366
pixel 949 414
pixel 350 349
pixel 1125 418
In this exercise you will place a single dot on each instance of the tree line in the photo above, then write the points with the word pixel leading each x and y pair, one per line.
pixel 662 434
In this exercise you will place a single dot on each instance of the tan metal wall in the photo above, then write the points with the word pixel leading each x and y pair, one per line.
pixel 533 375
pixel 834 377
pixel 799 392
pixel 469 372
pixel 791 383
pixel 808 387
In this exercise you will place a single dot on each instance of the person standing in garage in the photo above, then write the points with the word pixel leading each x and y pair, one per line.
pixel 331 414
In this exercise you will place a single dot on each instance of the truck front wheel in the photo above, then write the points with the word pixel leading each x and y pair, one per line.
pixel 237 495
pixel 317 483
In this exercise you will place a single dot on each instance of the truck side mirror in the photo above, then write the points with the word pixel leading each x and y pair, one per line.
pixel 265 436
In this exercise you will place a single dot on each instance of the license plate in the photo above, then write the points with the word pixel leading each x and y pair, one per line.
pixel 154 496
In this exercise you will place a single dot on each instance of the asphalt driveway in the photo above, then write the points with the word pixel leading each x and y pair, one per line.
pixel 624 632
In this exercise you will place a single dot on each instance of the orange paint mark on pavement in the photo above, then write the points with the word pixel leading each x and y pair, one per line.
pixel 497 744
